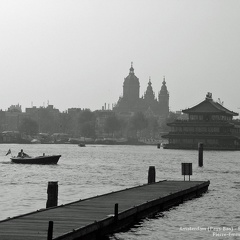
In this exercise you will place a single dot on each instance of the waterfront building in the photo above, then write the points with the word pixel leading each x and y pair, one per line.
pixel 72 122
pixel 208 122
pixel 130 102
pixel 101 117
pixel 12 118
pixel 10 137
pixel 47 118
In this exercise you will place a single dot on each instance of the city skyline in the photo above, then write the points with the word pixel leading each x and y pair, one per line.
pixel 76 54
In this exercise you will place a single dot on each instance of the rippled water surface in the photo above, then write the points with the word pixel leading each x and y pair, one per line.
pixel 98 169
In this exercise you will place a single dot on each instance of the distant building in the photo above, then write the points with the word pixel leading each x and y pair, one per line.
pixel 47 118
pixel 73 125
pixel 209 123
pixel 130 102
pixel 101 117
pixel 15 108
pixel 10 137
pixel 12 118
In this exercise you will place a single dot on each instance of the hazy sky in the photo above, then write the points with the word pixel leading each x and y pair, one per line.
pixel 76 53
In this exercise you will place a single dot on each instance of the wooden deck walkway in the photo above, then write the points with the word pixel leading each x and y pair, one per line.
pixel 93 217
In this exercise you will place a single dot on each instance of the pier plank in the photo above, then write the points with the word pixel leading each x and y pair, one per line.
pixel 83 213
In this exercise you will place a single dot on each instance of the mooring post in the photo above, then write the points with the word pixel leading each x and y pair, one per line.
pixel 50 230
pixel 116 211
pixel 52 192
pixel 200 154
pixel 151 175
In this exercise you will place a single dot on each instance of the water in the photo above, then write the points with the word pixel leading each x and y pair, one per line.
pixel 97 169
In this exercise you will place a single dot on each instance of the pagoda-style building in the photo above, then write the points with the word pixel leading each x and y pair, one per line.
pixel 209 123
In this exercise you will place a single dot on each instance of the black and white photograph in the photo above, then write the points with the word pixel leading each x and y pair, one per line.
pixel 119 119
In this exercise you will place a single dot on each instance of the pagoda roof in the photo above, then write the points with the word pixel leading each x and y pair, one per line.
pixel 209 106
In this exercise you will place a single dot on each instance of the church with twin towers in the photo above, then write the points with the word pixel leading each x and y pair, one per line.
pixel 149 104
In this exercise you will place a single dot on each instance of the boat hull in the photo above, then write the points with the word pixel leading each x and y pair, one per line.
pixel 81 145
pixel 37 160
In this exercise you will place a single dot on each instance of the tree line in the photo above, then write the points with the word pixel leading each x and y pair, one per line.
pixel 86 125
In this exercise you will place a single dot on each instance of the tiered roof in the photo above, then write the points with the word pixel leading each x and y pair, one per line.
pixel 209 106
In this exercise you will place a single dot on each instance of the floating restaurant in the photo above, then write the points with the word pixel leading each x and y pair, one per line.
pixel 209 123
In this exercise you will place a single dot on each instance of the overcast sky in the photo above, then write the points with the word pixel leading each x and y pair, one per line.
pixel 76 53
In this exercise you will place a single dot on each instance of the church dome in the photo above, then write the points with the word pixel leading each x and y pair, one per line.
pixel 131 78
pixel 131 86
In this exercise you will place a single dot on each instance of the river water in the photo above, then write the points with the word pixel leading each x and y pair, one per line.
pixel 97 169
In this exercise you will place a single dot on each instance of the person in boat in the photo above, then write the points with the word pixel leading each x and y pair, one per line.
pixel 22 154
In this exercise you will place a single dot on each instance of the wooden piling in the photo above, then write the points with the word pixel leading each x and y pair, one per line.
pixel 50 230
pixel 52 192
pixel 116 211
pixel 200 154
pixel 151 175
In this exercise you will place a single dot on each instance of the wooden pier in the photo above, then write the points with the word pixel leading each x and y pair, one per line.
pixel 98 216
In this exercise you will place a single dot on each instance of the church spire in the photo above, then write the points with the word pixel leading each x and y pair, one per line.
pixel 149 94
pixel 163 98
pixel 149 84
pixel 164 87
pixel 164 82
pixel 132 69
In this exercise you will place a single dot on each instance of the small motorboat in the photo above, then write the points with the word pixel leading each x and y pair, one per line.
pixel 81 145
pixel 53 159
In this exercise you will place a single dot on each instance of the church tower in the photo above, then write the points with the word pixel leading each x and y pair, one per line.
pixel 163 98
pixel 149 94
pixel 131 87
